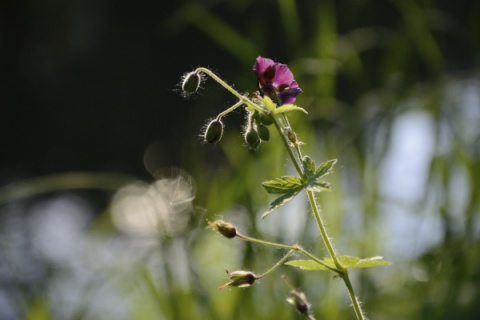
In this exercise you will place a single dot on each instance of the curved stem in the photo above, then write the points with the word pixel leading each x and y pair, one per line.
pixel 229 88
pixel 279 263
pixel 227 111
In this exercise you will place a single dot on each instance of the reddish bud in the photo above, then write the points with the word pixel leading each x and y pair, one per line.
pixel 226 229
pixel 292 137
pixel 299 301
pixel 240 279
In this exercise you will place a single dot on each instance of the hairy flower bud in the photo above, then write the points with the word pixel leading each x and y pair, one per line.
pixel 226 229
pixel 240 279
pixel 266 119
pixel 299 301
pixel 191 82
pixel 263 132
pixel 252 138
pixel 214 131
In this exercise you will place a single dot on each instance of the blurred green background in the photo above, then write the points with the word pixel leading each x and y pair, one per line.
pixel 105 186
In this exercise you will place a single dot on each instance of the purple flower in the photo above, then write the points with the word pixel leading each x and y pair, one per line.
pixel 276 81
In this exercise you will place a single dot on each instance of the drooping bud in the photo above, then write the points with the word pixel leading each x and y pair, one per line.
pixel 263 132
pixel 299 301
pixel 266 119
pixel 228 230
pixel 252 138
pixel 240 279
pixel 191 82
pixel 214 131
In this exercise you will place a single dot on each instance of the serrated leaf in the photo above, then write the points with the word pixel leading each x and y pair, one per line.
pixel 319 186
pixel 283 184
pixel 308 167
pixel 372 262
pixel 309 265
pixel 280 201
pixel 324 168
pixel 347 262
pixel 268 103
pixel 287 108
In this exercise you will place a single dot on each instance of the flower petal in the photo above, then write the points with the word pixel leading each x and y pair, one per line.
pixel 262 64
pixel 283 75
pixel 289 96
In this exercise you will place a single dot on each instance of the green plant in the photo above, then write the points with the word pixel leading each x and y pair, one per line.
pixel 277 91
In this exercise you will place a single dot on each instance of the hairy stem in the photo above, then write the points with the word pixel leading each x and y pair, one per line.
pixel 343 273
pixel 353 297
pixel 286 143
pixel 279 263
pixel 229 88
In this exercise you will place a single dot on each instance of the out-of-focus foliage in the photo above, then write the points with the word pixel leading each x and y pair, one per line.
pixel 392 91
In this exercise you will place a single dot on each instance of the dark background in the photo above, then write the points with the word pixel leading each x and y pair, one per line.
pixel 89 86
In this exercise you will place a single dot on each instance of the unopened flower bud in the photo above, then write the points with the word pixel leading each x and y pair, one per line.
pixel 292 137
pixel 226 229
pixel 252 138
pixel 263 132
pixel 299 301
pixel 266 119
pixel 191 82
pixel 214 131
pixel 240 279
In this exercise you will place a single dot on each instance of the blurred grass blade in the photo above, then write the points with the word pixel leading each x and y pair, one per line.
pixel 219 31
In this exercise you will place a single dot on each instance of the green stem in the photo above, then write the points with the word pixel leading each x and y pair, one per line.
pixel 323 230
pixel 353 297
pixel 244 99
pixel 279 263
pixel 225 112
pixel 286 143
pixel 343 273
pixel 285 246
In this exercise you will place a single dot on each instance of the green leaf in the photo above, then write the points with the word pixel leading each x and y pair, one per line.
pixel 347 262
pixel 268 103
pixel 280 201
pixel 319 186
pixel 324 168
pixel 287 108
pixel 372 262
pixel 283 184
pixel 308 167
pixel 309 265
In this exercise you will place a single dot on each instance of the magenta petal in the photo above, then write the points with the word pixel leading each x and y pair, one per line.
pixel 283 75
pixel 289 95
pixel 262 64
